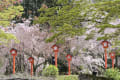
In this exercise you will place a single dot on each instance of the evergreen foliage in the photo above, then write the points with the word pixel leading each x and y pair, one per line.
pixel 9 12
pixel 5 38
pixel 90 36
pixel 9 9
pixel 64 20
pixel 34 5
pixel 75 13
pixel 113 73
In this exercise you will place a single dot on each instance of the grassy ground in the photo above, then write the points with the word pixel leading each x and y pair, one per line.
pixel 26 76
pixel 63 77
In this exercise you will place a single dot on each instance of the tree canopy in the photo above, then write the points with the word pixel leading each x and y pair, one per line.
pixel 9 9
pixel 63 19
pixel 67 17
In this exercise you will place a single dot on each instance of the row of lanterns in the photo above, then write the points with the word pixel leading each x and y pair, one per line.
pixel 69 57
pixel 14 54
pixel 31 59
pixel 112 54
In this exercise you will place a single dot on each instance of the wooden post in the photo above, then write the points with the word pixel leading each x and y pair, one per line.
pixel 55 49
pixel 105 46
pixel 105 58
pixel 31 59
pixel 69 68
pixel 13 64
pixel 113 63
pixel 69 58
pixel 56 59
pixel 112 55
pixel 13 53
pixel 31 69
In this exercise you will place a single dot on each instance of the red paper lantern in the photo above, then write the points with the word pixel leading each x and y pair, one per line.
pixel 55 48
pixel 105 44
pixel 69 57
pixel 13 52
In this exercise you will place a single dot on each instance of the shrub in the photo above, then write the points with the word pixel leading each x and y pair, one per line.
pixel 117 77
pixel 71 77
pixel 50 71
pixel 113 73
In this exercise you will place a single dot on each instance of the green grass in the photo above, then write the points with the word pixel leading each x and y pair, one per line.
pixel 62 77
pixel 27 76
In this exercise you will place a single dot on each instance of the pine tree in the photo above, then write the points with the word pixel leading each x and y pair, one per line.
pixel 74 13
pixel 9 9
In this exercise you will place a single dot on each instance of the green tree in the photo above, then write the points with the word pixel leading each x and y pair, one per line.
pixel 9 9
pixel 34 5
pixel 74 13
pixel 112 73
pixel 5 38
pixel 64 20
